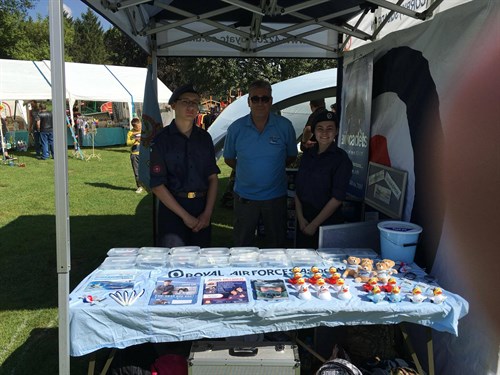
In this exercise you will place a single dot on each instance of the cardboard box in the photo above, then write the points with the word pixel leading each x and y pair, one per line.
pixel 243 358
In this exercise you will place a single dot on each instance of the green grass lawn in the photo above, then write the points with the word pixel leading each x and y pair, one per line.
pixel 105 212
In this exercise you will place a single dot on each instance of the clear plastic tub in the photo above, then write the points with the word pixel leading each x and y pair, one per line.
pixel 123 252
pixel 273 251
pixel 118 262
pixel 154 250
pixel 243 250
pixel 213 261
pixel 305 259
pixel 274 260
pixel 332 254
pixel 244 260
pixel 184 260
pixel 152 261
pixel 215 251
pixel 185 250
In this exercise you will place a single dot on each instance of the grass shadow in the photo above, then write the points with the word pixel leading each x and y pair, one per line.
pixel 108 186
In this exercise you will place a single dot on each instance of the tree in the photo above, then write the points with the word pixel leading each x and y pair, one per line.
pixel 12 14
pixel 224 77
pixel 122 50
pixel 88 43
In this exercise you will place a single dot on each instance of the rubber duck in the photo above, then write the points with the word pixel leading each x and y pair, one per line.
pixel 344 293
pixel 323 290
pixel 314 269
pixel 300 283
pixel 295 278
pixel 296 269
pixel 339 284
pixel 391 283
pixel 333 278
pixel 304 292
pixel 314 279
pixel 367 287
pixel 376 294
pixel 332 270
pixel 437 295
pixel 416 295
pixel 395 294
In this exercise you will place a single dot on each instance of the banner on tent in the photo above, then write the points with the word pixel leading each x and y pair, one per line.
pixel 354 135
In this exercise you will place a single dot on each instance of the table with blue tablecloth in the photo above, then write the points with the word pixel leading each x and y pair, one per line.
pixel 101 322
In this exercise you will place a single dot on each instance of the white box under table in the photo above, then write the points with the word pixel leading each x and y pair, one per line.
pixel 243 358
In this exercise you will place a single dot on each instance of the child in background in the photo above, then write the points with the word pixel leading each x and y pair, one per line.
pixel 134 140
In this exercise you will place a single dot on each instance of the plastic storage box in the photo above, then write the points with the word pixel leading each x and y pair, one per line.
pixel 240 358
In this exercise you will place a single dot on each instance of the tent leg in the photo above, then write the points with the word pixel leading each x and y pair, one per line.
pixel 410 349
pixel 91 364
pixel 108 361
pixel 430 352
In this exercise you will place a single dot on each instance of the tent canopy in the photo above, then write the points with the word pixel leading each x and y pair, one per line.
pixel 21 80
pixel 246 28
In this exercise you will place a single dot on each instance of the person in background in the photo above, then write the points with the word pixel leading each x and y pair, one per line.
pixel 134 141
pixel 5 153
pixel 44 125
pixel 259 146
pixel 333 108
pixel 317 106
pixel 183 174
pixel 321 182
pixel 34 130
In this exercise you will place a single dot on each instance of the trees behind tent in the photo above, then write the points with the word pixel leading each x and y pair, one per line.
pixel 85 41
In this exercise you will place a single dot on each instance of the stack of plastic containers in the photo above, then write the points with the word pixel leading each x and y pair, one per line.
pixel 213 257
pixel 274 258
pixel 120 258
pixel 304 257
pixel 153 257
pixel 184 256
pixel 244 256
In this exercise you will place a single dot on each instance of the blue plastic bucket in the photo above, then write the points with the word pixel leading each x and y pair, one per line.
pixel 398 240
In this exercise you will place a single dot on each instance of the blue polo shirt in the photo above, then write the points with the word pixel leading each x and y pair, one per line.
pixel 260 157
pixel 180 163
pixel 322 176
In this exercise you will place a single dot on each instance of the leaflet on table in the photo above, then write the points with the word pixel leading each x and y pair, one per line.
pixel 269 290
pixel 114 280
pixel 178 291
pixel 225 290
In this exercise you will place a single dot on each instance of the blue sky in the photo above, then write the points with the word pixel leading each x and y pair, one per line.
pixel 74 7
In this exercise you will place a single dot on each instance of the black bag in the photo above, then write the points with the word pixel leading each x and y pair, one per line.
pixel 338 366
pixel 134 360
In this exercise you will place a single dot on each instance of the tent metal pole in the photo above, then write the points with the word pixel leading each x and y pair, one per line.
pixel 61 177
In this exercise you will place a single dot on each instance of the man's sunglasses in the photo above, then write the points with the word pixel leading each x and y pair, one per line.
pixel 256 99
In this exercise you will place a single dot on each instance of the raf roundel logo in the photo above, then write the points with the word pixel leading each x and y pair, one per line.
pixel 156 169
pixel 329 116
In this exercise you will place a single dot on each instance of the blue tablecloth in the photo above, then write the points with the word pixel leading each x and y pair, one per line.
pixel 109 325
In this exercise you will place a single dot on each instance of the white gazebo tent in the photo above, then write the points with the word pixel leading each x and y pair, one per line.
pixel 231 28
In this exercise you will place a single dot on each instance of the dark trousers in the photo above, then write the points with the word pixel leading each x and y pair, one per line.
pixel 171 229
pixel 134 159
pixel 47 142
pixel 246 218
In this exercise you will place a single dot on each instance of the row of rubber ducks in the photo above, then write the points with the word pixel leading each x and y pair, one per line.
pixel 376 293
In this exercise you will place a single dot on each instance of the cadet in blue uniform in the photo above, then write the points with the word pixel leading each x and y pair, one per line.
pixel 184 175
pixel 321 181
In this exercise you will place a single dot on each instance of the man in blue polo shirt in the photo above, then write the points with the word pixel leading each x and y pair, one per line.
pixel 259 146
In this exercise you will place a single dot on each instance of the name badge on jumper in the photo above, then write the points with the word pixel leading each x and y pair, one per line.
pixel 274 140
